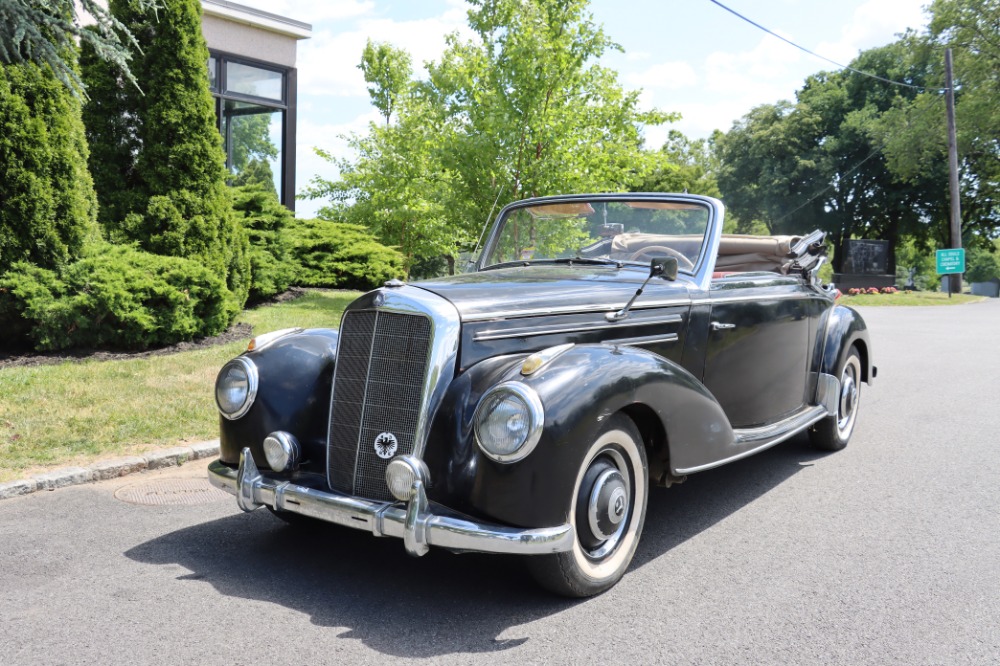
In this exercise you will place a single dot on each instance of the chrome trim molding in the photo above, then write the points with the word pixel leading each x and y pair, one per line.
pixel 414 522
pixel 507 315
pixel 265 340
pixel 556 329
pixel 645 340
pixel 755 298
pixel 701 273
pixel 764 437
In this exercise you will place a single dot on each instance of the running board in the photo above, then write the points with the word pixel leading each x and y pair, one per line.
pixel 755 440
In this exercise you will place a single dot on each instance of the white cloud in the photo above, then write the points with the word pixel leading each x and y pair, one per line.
pixel 670 75
pixel 874 23
pixel 328 62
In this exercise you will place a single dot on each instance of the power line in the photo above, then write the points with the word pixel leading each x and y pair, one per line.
pixel 816 55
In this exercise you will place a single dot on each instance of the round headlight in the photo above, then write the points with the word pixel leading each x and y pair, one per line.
pixel 236 387
pixel 508 421
pixel 281 450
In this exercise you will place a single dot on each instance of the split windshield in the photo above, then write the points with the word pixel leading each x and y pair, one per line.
pixel 621 230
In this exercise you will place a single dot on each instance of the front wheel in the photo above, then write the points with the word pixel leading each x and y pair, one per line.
pixel 607 511
pixel 833 432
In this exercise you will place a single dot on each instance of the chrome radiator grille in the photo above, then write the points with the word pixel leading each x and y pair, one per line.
pixel 377 388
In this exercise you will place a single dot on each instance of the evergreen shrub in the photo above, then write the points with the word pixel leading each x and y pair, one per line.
pixel 116 296
pixel 47 202
pixel 340 256
pixel 265 220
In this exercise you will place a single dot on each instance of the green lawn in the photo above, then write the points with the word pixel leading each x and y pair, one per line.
pixel 75 413
pixel 909 298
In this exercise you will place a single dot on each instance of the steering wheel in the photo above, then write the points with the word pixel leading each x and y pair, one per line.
pixel 650 251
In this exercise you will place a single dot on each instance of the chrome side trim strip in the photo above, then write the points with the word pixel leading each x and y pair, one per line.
pixel 415 523
pixel 555 329
pixel 642 304
pixel 764 437
pixel 645 340
pixel 758 298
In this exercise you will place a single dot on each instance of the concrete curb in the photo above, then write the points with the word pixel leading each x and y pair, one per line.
pixel 109 469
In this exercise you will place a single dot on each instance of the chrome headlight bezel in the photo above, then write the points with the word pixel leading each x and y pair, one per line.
pixel 249 369
pixel 534 415
pixel 282 451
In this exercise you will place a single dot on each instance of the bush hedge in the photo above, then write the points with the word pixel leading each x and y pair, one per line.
pixel 114 297
pixel 340 256
pixel 265 221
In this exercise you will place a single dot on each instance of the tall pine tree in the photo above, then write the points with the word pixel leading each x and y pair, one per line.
pixel 48 204
pixel 157 155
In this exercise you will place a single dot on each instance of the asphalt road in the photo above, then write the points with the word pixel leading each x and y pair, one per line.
pixel 887 552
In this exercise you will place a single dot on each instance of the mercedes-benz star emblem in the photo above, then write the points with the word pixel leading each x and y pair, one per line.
pixel 379 299
pixel 386 445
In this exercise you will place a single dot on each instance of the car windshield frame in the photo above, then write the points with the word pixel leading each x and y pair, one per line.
pixel 597 234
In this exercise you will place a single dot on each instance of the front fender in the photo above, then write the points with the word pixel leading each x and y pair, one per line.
pixel 295 374
pixel 845 327
pixel 579 390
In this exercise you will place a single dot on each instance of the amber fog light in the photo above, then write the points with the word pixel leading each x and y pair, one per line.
pixel 282 451
pixel 401 475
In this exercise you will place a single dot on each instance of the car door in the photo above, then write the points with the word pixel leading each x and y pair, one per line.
pixel 757 354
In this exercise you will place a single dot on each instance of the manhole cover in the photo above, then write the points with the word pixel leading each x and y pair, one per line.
pixel 161 492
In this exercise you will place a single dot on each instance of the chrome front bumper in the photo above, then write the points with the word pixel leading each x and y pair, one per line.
pixel 412 522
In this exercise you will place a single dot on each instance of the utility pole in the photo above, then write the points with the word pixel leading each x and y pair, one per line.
pixel 956 206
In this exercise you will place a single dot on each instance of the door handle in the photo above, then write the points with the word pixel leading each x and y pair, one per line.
pixel 719 326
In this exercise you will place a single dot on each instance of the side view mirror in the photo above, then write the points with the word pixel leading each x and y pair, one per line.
pixel 665 267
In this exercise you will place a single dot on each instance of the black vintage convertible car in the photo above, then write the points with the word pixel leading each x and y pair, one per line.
pixel 601 344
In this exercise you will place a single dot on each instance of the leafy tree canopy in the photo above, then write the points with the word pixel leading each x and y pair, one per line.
pixel 521 110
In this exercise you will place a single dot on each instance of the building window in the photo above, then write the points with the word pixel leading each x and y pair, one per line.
pixel 253 112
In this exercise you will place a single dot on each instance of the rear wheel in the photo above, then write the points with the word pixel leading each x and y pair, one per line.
pixel 833 432
pixel 607 511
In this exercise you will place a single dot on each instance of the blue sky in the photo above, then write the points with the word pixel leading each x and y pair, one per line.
pixel 688 56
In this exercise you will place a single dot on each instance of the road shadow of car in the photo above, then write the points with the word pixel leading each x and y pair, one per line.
pixel 441 603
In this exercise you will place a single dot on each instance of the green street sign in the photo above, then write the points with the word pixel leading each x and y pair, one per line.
pixel 951 261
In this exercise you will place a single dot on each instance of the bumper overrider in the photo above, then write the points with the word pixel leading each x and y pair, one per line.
pixel 412 521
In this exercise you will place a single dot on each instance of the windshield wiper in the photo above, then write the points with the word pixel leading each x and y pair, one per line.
pixel 591 261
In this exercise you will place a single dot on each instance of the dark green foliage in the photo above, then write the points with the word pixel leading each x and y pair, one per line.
pixel 265 221
pixel 48 206
pixel 116 296
pixel 45 32
pixel 341 256
pixel 983 264
pixel 167 190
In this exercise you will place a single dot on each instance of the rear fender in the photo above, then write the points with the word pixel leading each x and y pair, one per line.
pixel 846 328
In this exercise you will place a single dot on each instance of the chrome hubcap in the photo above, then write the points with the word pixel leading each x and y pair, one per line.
pixel 848 399
pixel 608 504
pixel 604 505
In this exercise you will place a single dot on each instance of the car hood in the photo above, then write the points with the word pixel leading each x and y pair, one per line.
pixel 535 290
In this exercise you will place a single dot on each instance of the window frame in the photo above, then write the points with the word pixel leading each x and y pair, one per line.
pixel 287 105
